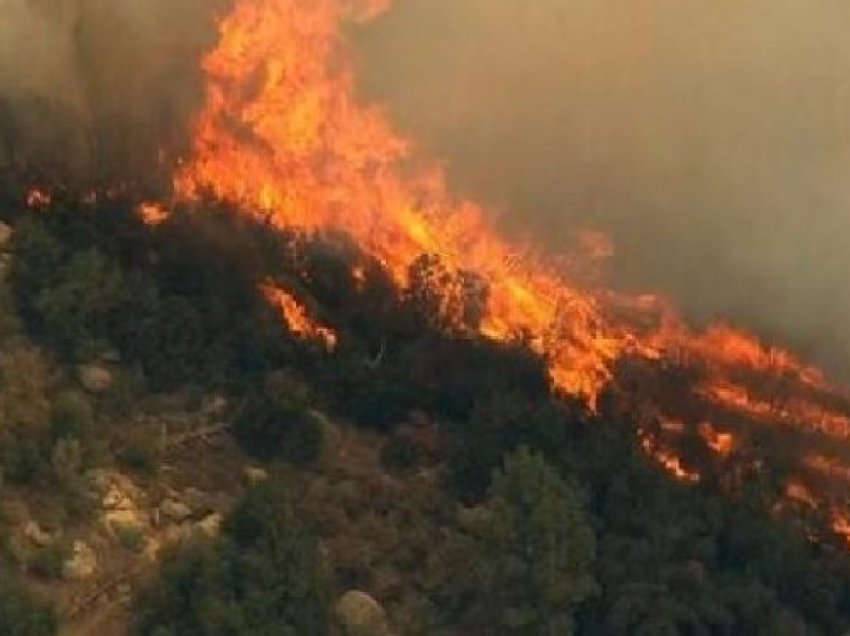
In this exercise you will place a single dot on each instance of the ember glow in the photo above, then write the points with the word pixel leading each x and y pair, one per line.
pixel 153 213
pixel 38 199
pixel 297 318
pixel 285 137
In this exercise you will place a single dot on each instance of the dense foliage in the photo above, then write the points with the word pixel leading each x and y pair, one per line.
pixel 179 303
pixel 263 576
pixel 20 615
pixel 526 564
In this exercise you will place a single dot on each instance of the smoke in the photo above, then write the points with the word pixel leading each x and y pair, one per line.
pixel 98 89
pixel 711 140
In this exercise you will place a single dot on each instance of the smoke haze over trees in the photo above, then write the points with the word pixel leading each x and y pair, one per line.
pixel 711 140
pixel 96 88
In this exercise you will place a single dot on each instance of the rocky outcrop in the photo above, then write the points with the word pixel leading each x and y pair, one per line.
pixel 174 510
pixel 95 378
pixel 81 564
pixel 254 475
pixel 6 233
pixel 210 526
pixel 36 535
pixel 358 614
pixel 5 244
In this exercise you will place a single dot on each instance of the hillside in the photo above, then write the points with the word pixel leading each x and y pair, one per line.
pixel 161 409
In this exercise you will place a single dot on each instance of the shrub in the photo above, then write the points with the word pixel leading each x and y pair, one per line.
pixel 264 576
pixel 20 615
pixel 46 563
pixel 278 421
pixel 139 449
pixel 400 454
pixel 71 416
pixel 130 537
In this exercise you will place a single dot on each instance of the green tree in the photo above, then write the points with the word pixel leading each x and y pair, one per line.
pixel 24 412
pixel 20 615
pixel 78 310
pixel 263 578
pixel 533 551
pixel 277 420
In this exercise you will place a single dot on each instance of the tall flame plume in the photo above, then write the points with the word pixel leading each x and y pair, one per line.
pixel 284 135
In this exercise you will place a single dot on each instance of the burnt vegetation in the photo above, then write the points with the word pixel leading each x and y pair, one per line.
pixel 569 526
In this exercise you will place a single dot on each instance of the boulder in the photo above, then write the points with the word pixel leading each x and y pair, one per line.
pixel 5 236
pixel 116 499
pixel 36 535
pixel 358 614
pixel 123 522
pixel 95 378
pixel 176 535
pixel 254 475
pixel 214 405
pixel 174 510
pixel 199 501
pixel 210 526
pixel 111 356
pixel 81 564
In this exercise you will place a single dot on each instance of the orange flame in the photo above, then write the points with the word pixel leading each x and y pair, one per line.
pixel 153 213
pixel 669 461
pixel 283 135
pixel 297 318
pixel 38 199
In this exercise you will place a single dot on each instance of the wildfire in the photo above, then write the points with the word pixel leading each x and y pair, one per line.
pixel 297 318
pixel 669 461
pixel 283 135
pixel 153 213
pixel 38 199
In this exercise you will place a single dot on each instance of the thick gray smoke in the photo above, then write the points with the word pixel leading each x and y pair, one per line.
pixel 97 88
pixel 711 140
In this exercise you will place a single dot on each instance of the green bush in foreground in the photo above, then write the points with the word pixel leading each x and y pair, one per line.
pixel 20 615
pixel 263 577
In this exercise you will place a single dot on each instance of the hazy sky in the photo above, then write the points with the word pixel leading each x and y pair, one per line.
pixel 97 85
pixel 710 139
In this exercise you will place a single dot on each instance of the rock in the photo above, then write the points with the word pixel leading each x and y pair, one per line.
pixel 38 537
pixel 123 522
pixel 175 510
pixel 199 501
pixel 176 535
pixel 210 525
pixel 81 564
pixel 95 378
pixel 358 614
pixel 254 475
pixel 116 499
pixel 111 356
pixel 5 236
pixel 214 405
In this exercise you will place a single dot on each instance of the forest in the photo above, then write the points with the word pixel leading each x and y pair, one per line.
pixel 515 510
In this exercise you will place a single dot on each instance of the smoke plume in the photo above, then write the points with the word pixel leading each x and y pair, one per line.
pixel 711 140
pixel 97 89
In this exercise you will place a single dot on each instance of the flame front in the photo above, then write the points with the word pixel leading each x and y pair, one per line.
pixel 284 136
pixel 297 319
